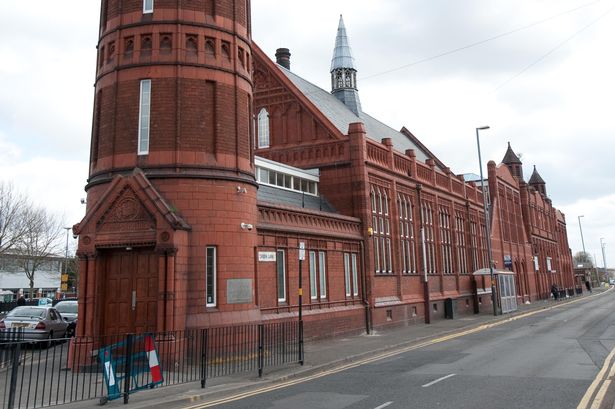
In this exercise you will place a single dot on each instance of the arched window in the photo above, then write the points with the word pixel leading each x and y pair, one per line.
pixel 192 46
pixel 210 46
pixel 381 231
pixel 446 240
pixel 263 128
pixel 460 234
pixel 406 231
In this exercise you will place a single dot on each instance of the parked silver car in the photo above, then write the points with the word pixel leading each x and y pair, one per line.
pixel 38 323
pixel 68 310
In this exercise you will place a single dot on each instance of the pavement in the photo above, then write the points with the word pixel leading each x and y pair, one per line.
pixel 323 355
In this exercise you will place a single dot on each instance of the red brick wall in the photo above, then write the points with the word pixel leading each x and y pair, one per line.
pixel 335 274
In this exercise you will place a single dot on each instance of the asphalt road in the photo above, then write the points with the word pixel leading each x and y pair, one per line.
pixel 547 360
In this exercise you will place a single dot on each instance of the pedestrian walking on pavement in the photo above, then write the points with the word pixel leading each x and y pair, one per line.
pixel 554 291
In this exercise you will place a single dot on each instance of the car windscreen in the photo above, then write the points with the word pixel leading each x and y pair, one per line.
pixel 67 307
pixel 27 312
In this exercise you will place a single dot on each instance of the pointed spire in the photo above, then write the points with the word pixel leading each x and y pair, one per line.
pixel 343 72
pixel 538 183
pixel 536 179
pixel 510 157
pixel 342 54
pixel 512 161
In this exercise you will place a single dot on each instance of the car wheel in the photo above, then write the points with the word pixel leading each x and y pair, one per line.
pixel 70 332
pixel 49 341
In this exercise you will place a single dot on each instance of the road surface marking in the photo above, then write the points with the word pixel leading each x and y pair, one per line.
pixel 384 355
pixel 597 403
pixel 384 405
pixel 585 401
pixel 438 380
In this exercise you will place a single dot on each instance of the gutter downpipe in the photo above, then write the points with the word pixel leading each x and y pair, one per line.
pixel 427 311
pixel 368 320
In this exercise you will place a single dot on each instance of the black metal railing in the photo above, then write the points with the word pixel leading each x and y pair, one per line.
pixel 36 374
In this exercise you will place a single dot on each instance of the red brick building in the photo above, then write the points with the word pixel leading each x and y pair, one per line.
pixel 212 169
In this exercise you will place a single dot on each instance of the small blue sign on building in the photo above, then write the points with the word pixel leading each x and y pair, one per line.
pixel 508 262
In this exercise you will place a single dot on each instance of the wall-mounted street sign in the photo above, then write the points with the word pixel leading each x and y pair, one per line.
pixel 266 256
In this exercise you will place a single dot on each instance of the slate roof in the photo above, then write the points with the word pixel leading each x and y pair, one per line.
pixel 341 116
pixel 285 197
pixel 536 179
pixel 510 157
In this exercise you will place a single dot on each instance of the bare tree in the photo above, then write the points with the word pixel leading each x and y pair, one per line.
pixel 41 240
pixel 584 259
pixel 13 205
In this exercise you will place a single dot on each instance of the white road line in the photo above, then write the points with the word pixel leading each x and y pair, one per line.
pixel 384 405
pixel 438 380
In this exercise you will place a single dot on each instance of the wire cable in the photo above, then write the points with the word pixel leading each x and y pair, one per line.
pixel 471 45
pixel 551 51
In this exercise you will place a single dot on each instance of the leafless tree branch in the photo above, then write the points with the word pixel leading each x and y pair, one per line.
pixel 12 207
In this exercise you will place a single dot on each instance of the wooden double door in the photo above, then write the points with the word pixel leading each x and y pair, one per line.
pixel 130 291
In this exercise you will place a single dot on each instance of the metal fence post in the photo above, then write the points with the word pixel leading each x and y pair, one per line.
pixel 301 342
pixel 127 366
pixel 204 335
pixel 261 357
pixel 14 374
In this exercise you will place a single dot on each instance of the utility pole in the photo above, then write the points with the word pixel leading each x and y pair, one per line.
pixel 603 247
pixel 66 261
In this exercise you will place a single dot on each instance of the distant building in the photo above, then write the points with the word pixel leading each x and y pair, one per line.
pixel 13 278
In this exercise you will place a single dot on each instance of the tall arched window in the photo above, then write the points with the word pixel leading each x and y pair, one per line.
pixel 460 234
pixel 430 246
pixel 381 231
pixel 263 128
pixel 406 231
pixel 446 240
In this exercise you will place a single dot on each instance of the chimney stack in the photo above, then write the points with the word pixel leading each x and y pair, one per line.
pixel 282 57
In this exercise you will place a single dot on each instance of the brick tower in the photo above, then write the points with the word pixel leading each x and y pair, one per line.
pixel 167 242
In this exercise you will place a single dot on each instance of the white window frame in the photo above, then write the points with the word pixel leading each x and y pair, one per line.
pixel 355 276
pixel 263 129
pixel 549 264
pixel 313 281
pixel 536 263
pixel 347 274
pixel 145 102
pixel 280 260
pixel 213 277
pixel 148 6
pixel 322 273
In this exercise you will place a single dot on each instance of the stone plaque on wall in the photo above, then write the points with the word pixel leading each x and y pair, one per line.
pixel 239 291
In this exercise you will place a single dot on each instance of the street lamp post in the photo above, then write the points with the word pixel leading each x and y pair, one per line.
pixel 66 252
pixel 487 222
pixel 581 229
pixel 603 247
pixel 585 255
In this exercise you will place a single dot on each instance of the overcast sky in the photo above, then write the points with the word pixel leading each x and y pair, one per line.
pixel 540 73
